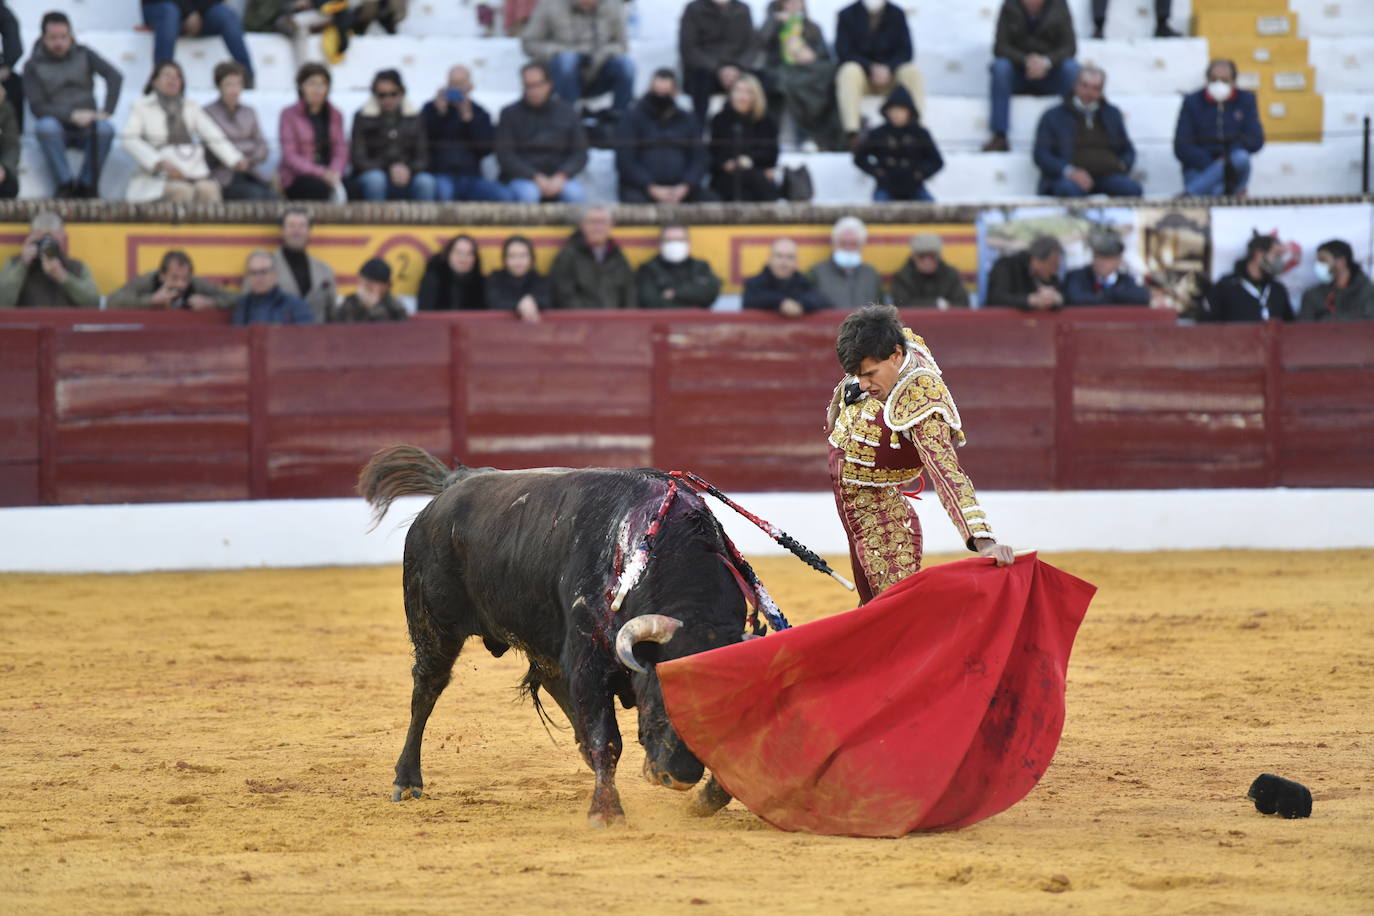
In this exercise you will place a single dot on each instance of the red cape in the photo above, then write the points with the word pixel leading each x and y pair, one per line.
pixel 935 705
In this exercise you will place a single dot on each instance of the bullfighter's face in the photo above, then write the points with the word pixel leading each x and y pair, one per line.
pixel 877 376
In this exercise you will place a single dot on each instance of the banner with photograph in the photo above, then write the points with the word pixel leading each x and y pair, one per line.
pixel 1299 229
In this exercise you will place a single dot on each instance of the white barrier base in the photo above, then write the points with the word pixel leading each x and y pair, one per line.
pixel 333 532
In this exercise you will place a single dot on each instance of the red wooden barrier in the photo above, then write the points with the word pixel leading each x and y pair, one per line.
pixel 1090 398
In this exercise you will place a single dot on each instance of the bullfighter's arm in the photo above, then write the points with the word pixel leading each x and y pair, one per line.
pixel 951 484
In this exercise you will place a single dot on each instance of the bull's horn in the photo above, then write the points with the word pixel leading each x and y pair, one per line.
pixel 644 628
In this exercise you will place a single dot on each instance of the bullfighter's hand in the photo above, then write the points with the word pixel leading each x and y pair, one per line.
pixel 1001 554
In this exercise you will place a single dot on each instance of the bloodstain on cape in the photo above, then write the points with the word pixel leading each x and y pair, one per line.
pixel 934 706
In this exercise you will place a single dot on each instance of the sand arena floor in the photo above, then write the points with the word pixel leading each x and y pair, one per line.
pixel 224 743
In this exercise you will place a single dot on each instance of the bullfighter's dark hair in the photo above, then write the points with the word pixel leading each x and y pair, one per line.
pixel 1338 248
pixel 175 256
pixel 872 332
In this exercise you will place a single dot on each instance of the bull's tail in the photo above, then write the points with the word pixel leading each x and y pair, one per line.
pixel 401 470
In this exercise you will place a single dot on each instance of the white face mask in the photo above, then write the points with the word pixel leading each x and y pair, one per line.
pixel 674 252
pixel 1219 90
pixel 847 260
pixel 874 6
pixel 1323 271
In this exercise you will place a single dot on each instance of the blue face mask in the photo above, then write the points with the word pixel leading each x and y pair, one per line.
pixel 847 260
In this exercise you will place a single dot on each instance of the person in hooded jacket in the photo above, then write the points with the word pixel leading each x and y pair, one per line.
pixel 661 157
pixel 1218 131
pixel 1252 292
pixel 899 153
pixel 1081 146
pixel 744 145
pixel 453 278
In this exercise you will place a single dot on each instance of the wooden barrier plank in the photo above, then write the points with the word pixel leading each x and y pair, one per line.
pixel 19 405
pixel 1349 344
pixel 314 456
pixel 359 390
pixel 152 352
pixel 1205 347
pixel 154 438
pixel 1132 389
pixel 19 483
pixel 214 394
pixel 341 346
pixel 152 481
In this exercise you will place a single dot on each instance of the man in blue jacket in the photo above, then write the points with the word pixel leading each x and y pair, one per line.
pixel 1218 131
pixel 661 157
pixel 1104 281
pixel 264 302
pixel 1081 146
pixel 873 45
pixel 460 136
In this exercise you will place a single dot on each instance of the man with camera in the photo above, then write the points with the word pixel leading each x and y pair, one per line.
pixel 42 275
pixel 172 286
pixel 461 134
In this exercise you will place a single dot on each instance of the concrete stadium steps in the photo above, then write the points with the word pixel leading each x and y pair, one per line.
pixel 274 61
pixel 1343 64
pixel 86 16
pixel 447 18
pixel 1334 18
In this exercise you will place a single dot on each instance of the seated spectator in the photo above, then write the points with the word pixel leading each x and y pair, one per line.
pixel 314 154
pixel 372 301
pixel 1104 281
pixel 167 134
pixel 590 271
pixel 583 44
pixel 263 300
pixel 239 123
pixel 900 154
pixel 43 275
pixel 540 143
pixel 1033 56
pixel 9 148
pixel 517 287
pixel 299 274
pixel 673 279
pixel 744 145
pixel 715 39
pixel 170 19
pixel 11 50
pixel 1343 291
pixel 1252 292
pixel 779 288
pixel 661 157
pixel 1081 146
pixel 172 286
pixel 843 280
pixel 1218 131
pixel 59 80
pixel 873 44
pixel 460 134
pixel 1029 279
pixel 1162 10
pixel 925 280
pixel 453 278
pixel 798 67
pixel 389 150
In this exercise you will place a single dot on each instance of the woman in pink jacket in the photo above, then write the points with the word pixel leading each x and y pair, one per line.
pixel 314 152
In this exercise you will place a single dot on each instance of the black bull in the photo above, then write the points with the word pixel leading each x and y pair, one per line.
pixel 527 560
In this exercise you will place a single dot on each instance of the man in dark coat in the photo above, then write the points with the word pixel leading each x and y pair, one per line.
pixel 460 136
pixel 389 151
pixel 372 301
pixel 1081 146
pixel 1104 281
pixel 900 154
pixel 590 271
pixel 173 285
pixel 1033 55
pixel 661 157
pixel 1343 291
pixel 716 40
pixel 540 143
pixel 263 301
pixel 780 288
pixel 873 44
pixel 1252 292
pixel 673 279
pixel 1029 279
pixel 925 280
pixel 1218 131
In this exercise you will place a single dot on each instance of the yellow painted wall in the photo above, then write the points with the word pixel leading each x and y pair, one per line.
pixel 118 251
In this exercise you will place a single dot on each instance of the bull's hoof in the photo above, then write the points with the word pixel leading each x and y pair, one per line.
pixel 709 800
pixel 401 793
pixel 606 819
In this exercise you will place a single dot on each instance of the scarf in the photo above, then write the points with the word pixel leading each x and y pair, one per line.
pixel 174 107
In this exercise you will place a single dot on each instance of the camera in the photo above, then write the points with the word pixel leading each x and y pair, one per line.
pixel 49 248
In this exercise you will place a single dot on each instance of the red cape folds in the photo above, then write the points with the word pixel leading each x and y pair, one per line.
pixel 935 705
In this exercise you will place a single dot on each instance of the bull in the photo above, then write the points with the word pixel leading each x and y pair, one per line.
pixel 529 560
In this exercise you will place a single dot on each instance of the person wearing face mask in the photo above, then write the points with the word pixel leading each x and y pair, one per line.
pixel 1218 131
pixel 843 279
pixel 1252 292
pixel 661 157
pixel 673 279
pixel 1343 291
pixel 372 301
pixel 1081 146
pixel 873 44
